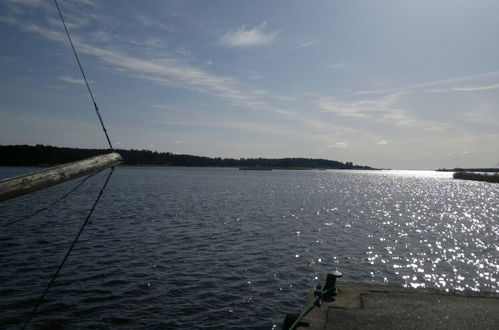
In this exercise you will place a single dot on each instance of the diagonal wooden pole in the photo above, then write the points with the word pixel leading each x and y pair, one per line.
pixel 26 183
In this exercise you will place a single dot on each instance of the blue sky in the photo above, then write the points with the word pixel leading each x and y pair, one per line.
pixel 394 84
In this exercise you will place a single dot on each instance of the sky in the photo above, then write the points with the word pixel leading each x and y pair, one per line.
pixel 389 83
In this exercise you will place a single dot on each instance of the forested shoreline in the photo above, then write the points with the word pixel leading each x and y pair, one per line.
pixel 41 155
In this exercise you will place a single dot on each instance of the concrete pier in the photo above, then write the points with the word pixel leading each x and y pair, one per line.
pixel 372 306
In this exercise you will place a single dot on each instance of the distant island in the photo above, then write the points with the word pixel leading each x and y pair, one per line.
pixel 457 169
pixel 475 174
pixel 41 155
pixel 486 177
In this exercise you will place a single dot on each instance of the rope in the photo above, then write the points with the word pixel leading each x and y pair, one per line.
pixel 317 302
pixel 54 277
pixel 75 240
pixel 53 203
pixel 84 77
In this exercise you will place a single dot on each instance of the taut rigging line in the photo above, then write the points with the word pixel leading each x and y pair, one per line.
pixel 84 77
pixel 56 274
pixel 75 240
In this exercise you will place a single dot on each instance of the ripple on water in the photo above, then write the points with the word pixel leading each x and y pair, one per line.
pixel 221 248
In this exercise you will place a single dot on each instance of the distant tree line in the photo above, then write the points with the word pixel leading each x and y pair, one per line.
pixel 477 176
pixel 41 155
pixel 457 169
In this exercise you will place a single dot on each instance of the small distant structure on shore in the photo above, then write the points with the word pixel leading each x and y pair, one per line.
pixel 479 170
pixel 490 174
pixel 255 168
pixel 486 177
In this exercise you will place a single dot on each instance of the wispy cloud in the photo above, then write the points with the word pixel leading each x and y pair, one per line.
pixel 72 80
pixel 485 116
pixel 337 65
pixel 8 19
pixel 429 84
pixel 150 22
pixel 29 3
pixel 164 107
pixel 305 44
pixel 227 124
pixel 173 71
pixel 341 145
pixel 383 109
pixel 7 59
pixel 465 89
pixel 191 109
pixel 24 128
pixel 243 37
pixel 168 70
pixel 382 142
pixel 91 3
pixel 72 22
pixel 360 109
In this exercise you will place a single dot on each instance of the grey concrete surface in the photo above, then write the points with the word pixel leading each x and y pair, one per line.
pixel 371 306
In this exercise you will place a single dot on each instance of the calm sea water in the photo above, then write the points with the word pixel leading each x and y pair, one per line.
pixel 183 248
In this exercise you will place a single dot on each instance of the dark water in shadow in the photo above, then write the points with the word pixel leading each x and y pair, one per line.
pixel 183 248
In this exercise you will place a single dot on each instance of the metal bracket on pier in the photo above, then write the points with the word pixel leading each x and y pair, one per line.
pixel 26 183
pixel 330 286
pixel 328 293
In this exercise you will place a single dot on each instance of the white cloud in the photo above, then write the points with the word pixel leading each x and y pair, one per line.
pixel 38 128
pixel 150 22
pixel 360 109
pixel 306 44
pixel 91 3
pixel 168 70
pixel 8 19
pixel 383 109
pixel 73 80
pixel 465 89
pixel 427 84
pixel 382 142
pixel 341 145
pixel 337 65
pixel 174 72
pixel 30 3
pixel 163 107
pixel 183 51
pixel 72 22
pixel 243 37
pixel 259 92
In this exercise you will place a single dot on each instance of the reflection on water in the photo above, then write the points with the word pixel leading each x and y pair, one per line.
pixel 441 235
pixel 416 174
pixel 222 248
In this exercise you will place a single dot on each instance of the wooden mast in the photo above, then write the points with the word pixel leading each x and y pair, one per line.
pixel 26 183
